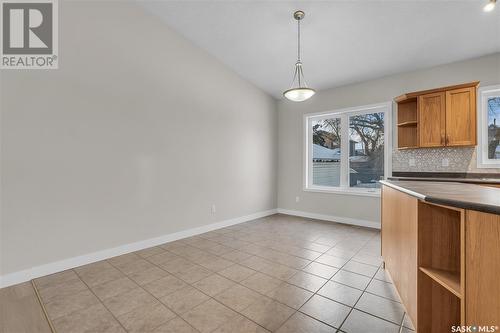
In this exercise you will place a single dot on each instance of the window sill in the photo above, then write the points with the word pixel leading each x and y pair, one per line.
pixel 345 190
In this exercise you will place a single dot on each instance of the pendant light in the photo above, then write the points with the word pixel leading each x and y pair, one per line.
pixel 490 5
pixel 299 91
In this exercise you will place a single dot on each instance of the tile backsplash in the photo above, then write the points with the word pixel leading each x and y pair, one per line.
pixel 460 159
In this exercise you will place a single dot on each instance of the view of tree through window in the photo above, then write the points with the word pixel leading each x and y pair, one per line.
pixel 326 152
pixel 493 128
pixel 366 150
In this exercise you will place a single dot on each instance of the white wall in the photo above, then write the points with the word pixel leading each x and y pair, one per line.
pixel 135 136
pixel 290 176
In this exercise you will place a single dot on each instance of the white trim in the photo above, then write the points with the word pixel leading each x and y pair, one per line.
pixel 338 219
pixel 482 124
pixel 344 114
pixel 58 266
pixel 344 191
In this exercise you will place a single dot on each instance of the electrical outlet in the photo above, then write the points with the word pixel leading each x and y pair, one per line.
pixel 297 199
pixel 214 209
pixel 411 162
pixel 445 162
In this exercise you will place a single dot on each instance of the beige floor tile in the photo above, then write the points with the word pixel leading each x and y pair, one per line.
pixel 68 287
pixel 237 272
pixel 240 324
pixel 351 279
pixel 177 265
pixel 238 297
pixel 360 268
pixel 383 289
pixel 362 322
pixel 208 316
pixel 62 305
pixel 128 301
pixel 214 284
pixel 268 313
pixel 92 319
pixel 307 281
pixel 279 271
pixel 123 259
pixel 236 256
pixel 113 288
pixel 164 286
pixel 381 307
pixel 161 258
pixel 320 270
pixel 300 323
pixel 146 318
pixel 340 293
pixel 135 266
pixel 216 264
pixel 326 310
pixel 20 310
pixel 94 267
pixel 194 274
pixel 332 261
pixel 261 283
pixel 94 276
pixel 176 325
pixel 184 299
pixel 145 253
pixel 148 275
pixel 220 249
pixel 56 279
pixel 290 295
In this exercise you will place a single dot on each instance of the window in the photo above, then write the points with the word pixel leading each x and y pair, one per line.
pixel 488 151
pixel 345 150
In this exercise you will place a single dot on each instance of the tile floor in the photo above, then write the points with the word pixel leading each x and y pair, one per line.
pixel 276 274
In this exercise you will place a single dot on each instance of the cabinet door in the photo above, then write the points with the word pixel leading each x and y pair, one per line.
pixel 461 117
pixel 431 119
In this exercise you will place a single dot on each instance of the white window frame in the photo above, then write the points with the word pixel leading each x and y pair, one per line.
pixel 344 115
pixel 482 127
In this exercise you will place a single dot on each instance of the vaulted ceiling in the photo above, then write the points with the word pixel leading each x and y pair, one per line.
pixel 343 41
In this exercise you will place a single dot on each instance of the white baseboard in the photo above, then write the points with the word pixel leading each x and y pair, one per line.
pixel 58 266
pixel 339 219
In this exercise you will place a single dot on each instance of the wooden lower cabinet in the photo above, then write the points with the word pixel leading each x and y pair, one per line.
pixel 399 244
pixel 482 274
pixel 444 262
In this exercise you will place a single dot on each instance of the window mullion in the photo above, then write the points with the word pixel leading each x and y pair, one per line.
pixel 344 150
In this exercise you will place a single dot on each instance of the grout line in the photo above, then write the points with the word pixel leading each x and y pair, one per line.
pixel 245 229
pixel 38 297
pixel 104 305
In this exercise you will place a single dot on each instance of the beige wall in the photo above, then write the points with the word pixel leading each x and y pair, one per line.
pixel 485 69
pixel 136 135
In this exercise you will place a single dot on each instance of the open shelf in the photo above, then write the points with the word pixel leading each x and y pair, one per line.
pixel 441 273
pixel 408 123
pixel 449 280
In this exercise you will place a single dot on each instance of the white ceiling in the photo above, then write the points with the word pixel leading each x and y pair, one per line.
pixel 342 41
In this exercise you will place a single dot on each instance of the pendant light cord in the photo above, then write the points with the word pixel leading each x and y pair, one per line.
pixel 298 40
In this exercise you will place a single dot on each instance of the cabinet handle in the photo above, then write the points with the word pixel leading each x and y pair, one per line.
pixel 443 141
pixel 447 139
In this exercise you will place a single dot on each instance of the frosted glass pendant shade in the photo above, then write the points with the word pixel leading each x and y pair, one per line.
pixel 299 94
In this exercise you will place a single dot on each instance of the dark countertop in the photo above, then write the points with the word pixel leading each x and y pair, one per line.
pixel 456 180
pixel 460 177
pixel 460 195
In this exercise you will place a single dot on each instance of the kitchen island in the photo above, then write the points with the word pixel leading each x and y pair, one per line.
pixel 441 248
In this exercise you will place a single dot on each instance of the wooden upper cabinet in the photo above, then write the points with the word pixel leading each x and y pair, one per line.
pixel 444 117
pixel 461 117
pixel 431 119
